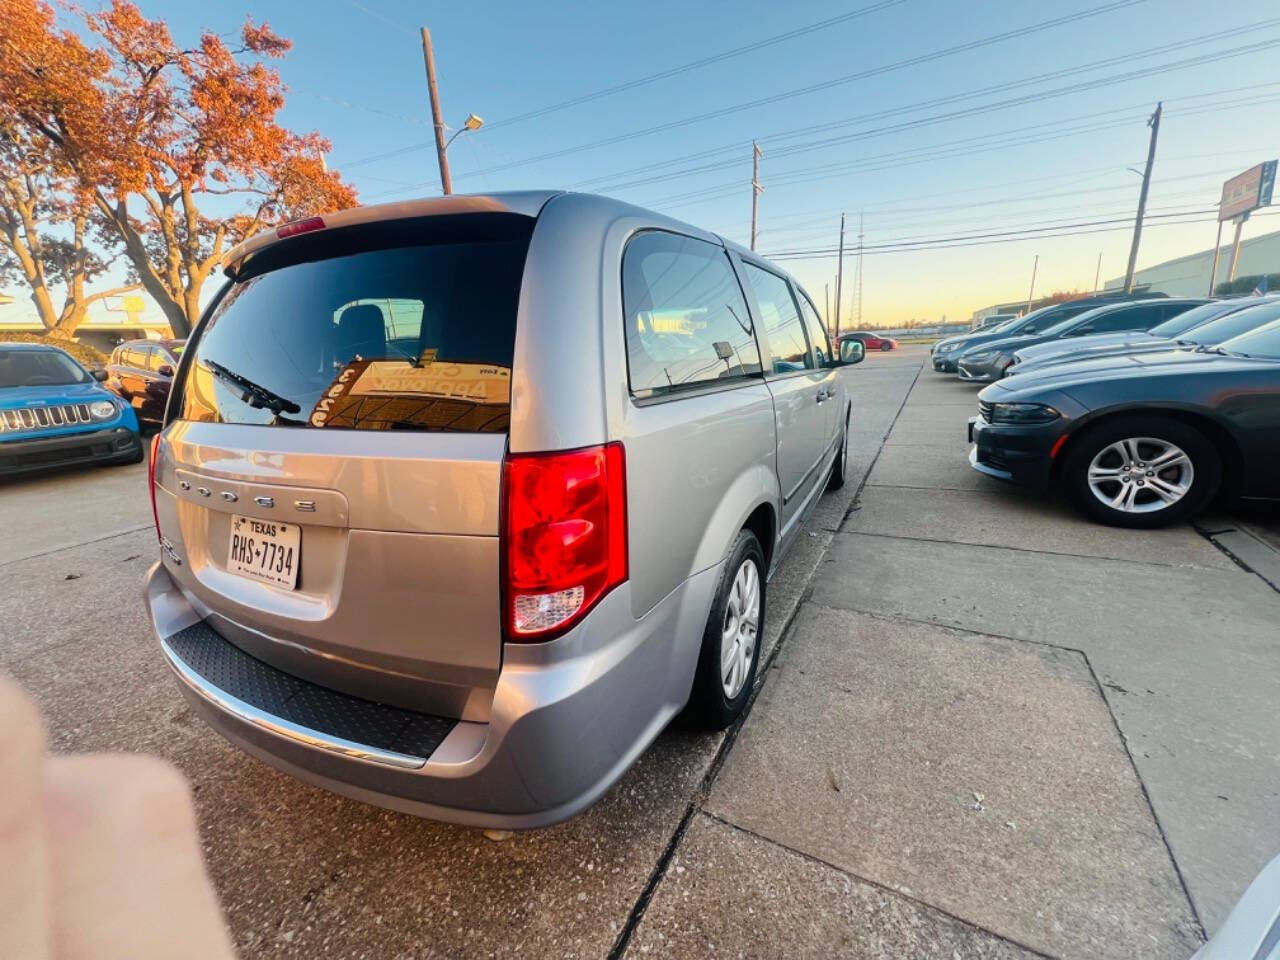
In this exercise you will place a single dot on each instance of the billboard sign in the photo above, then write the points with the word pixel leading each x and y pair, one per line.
pixel 1247 191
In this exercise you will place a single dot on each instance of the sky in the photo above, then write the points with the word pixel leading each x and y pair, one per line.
pixel 860 106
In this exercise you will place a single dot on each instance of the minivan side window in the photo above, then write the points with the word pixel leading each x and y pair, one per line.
pixel 687 323
pixel 781 320
pixel 813 324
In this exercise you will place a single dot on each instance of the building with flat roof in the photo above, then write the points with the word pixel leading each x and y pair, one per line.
pixel 1189 276
pixel 109 322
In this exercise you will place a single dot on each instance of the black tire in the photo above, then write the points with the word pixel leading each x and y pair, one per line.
pixel 886 347
pixel 708 702
pixel 841 465
pixel 1206 470
pixel 136 456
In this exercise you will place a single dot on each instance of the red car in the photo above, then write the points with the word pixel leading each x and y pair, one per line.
pixel 872 342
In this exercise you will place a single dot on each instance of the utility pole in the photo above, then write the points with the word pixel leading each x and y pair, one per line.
pixel 1097 274
pixel 826 291
pixel 446 184
pixel 858 286
pixel 839 277
pixel 756 189
pixel 1032 292
pixel 1154 123
pixel 1213 271
pixel 1235 246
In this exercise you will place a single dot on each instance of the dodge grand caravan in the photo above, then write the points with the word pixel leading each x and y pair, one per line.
pixel 460 501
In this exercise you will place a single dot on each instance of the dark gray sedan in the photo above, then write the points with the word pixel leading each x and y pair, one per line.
pixel 1141 441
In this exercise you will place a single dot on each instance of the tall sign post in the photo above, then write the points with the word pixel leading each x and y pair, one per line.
pixel 1241 195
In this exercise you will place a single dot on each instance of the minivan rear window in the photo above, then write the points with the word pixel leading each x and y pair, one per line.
pixel 396 325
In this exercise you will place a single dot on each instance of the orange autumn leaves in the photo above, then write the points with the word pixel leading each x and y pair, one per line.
pixel 177 148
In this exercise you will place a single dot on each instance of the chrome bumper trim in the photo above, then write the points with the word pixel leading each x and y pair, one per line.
pixel 285 728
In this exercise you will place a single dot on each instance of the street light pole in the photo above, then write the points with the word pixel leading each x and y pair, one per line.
pixel 1032 292
pixel 839 276
pixel 446 184
pixel 1154 124
pixel 756 189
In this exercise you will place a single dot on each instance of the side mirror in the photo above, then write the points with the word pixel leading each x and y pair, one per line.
pixel 1030 329
pixel 852 351
pixel 100 375
pixel 165 370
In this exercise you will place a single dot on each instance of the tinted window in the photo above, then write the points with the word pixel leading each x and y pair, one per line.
pixel 1233 325
pixel 398 325
pixel 686 320
pixel 1263 342
pixel 781 320
pixel 1186 320
pixel 813 324
pixel 1128 318
pixel 38 368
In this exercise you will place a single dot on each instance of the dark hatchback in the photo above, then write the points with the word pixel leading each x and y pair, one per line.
pixel 1141 441
pixel 945 352
pixel 990 361
pixel 140 373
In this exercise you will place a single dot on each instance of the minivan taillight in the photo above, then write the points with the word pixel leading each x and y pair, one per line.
pixel 151 482
pixel 565 536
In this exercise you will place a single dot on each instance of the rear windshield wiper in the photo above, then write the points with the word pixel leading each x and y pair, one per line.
pixel 255 395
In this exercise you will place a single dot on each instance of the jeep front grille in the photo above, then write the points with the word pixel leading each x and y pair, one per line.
pixel 41 418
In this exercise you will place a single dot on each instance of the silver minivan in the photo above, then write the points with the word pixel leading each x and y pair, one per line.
pixel 460 501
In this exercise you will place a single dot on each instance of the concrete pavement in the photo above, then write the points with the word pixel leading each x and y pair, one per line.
pixel 991 730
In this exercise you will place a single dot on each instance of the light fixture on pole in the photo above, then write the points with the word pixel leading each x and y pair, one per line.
pixel 472 122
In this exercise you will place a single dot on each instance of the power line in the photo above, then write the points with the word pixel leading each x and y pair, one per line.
pixel 1048 94
pixel 695 64
pixel 948 243
pixel 774 98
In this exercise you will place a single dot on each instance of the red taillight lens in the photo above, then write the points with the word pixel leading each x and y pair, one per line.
pixel 151 481
pixel 300 226
pixel 565 536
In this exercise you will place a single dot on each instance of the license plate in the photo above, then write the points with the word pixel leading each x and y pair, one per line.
pixel 265 550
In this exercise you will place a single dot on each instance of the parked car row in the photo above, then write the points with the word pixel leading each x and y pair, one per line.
pixel 1141 424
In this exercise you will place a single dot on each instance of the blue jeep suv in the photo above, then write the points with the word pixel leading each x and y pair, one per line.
pixel 53 412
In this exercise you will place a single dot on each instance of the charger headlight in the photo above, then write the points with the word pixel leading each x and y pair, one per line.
pixel 1023 413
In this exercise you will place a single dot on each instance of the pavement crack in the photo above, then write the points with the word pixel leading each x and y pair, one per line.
pixel 1048 553
pixel 892 891
pixel 73 546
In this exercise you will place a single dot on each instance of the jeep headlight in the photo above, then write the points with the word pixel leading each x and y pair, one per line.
pixel 1023 413
pixel 102 409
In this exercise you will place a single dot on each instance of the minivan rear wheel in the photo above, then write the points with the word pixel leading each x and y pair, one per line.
pixel 731 642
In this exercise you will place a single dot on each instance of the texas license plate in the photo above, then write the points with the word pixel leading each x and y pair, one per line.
pixel 265 550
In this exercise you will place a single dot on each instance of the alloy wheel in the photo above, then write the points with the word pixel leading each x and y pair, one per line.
pixel 1141 475
pixel 741 626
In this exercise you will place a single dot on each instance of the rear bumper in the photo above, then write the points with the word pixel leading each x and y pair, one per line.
pixel 568 716
pixel 116 444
